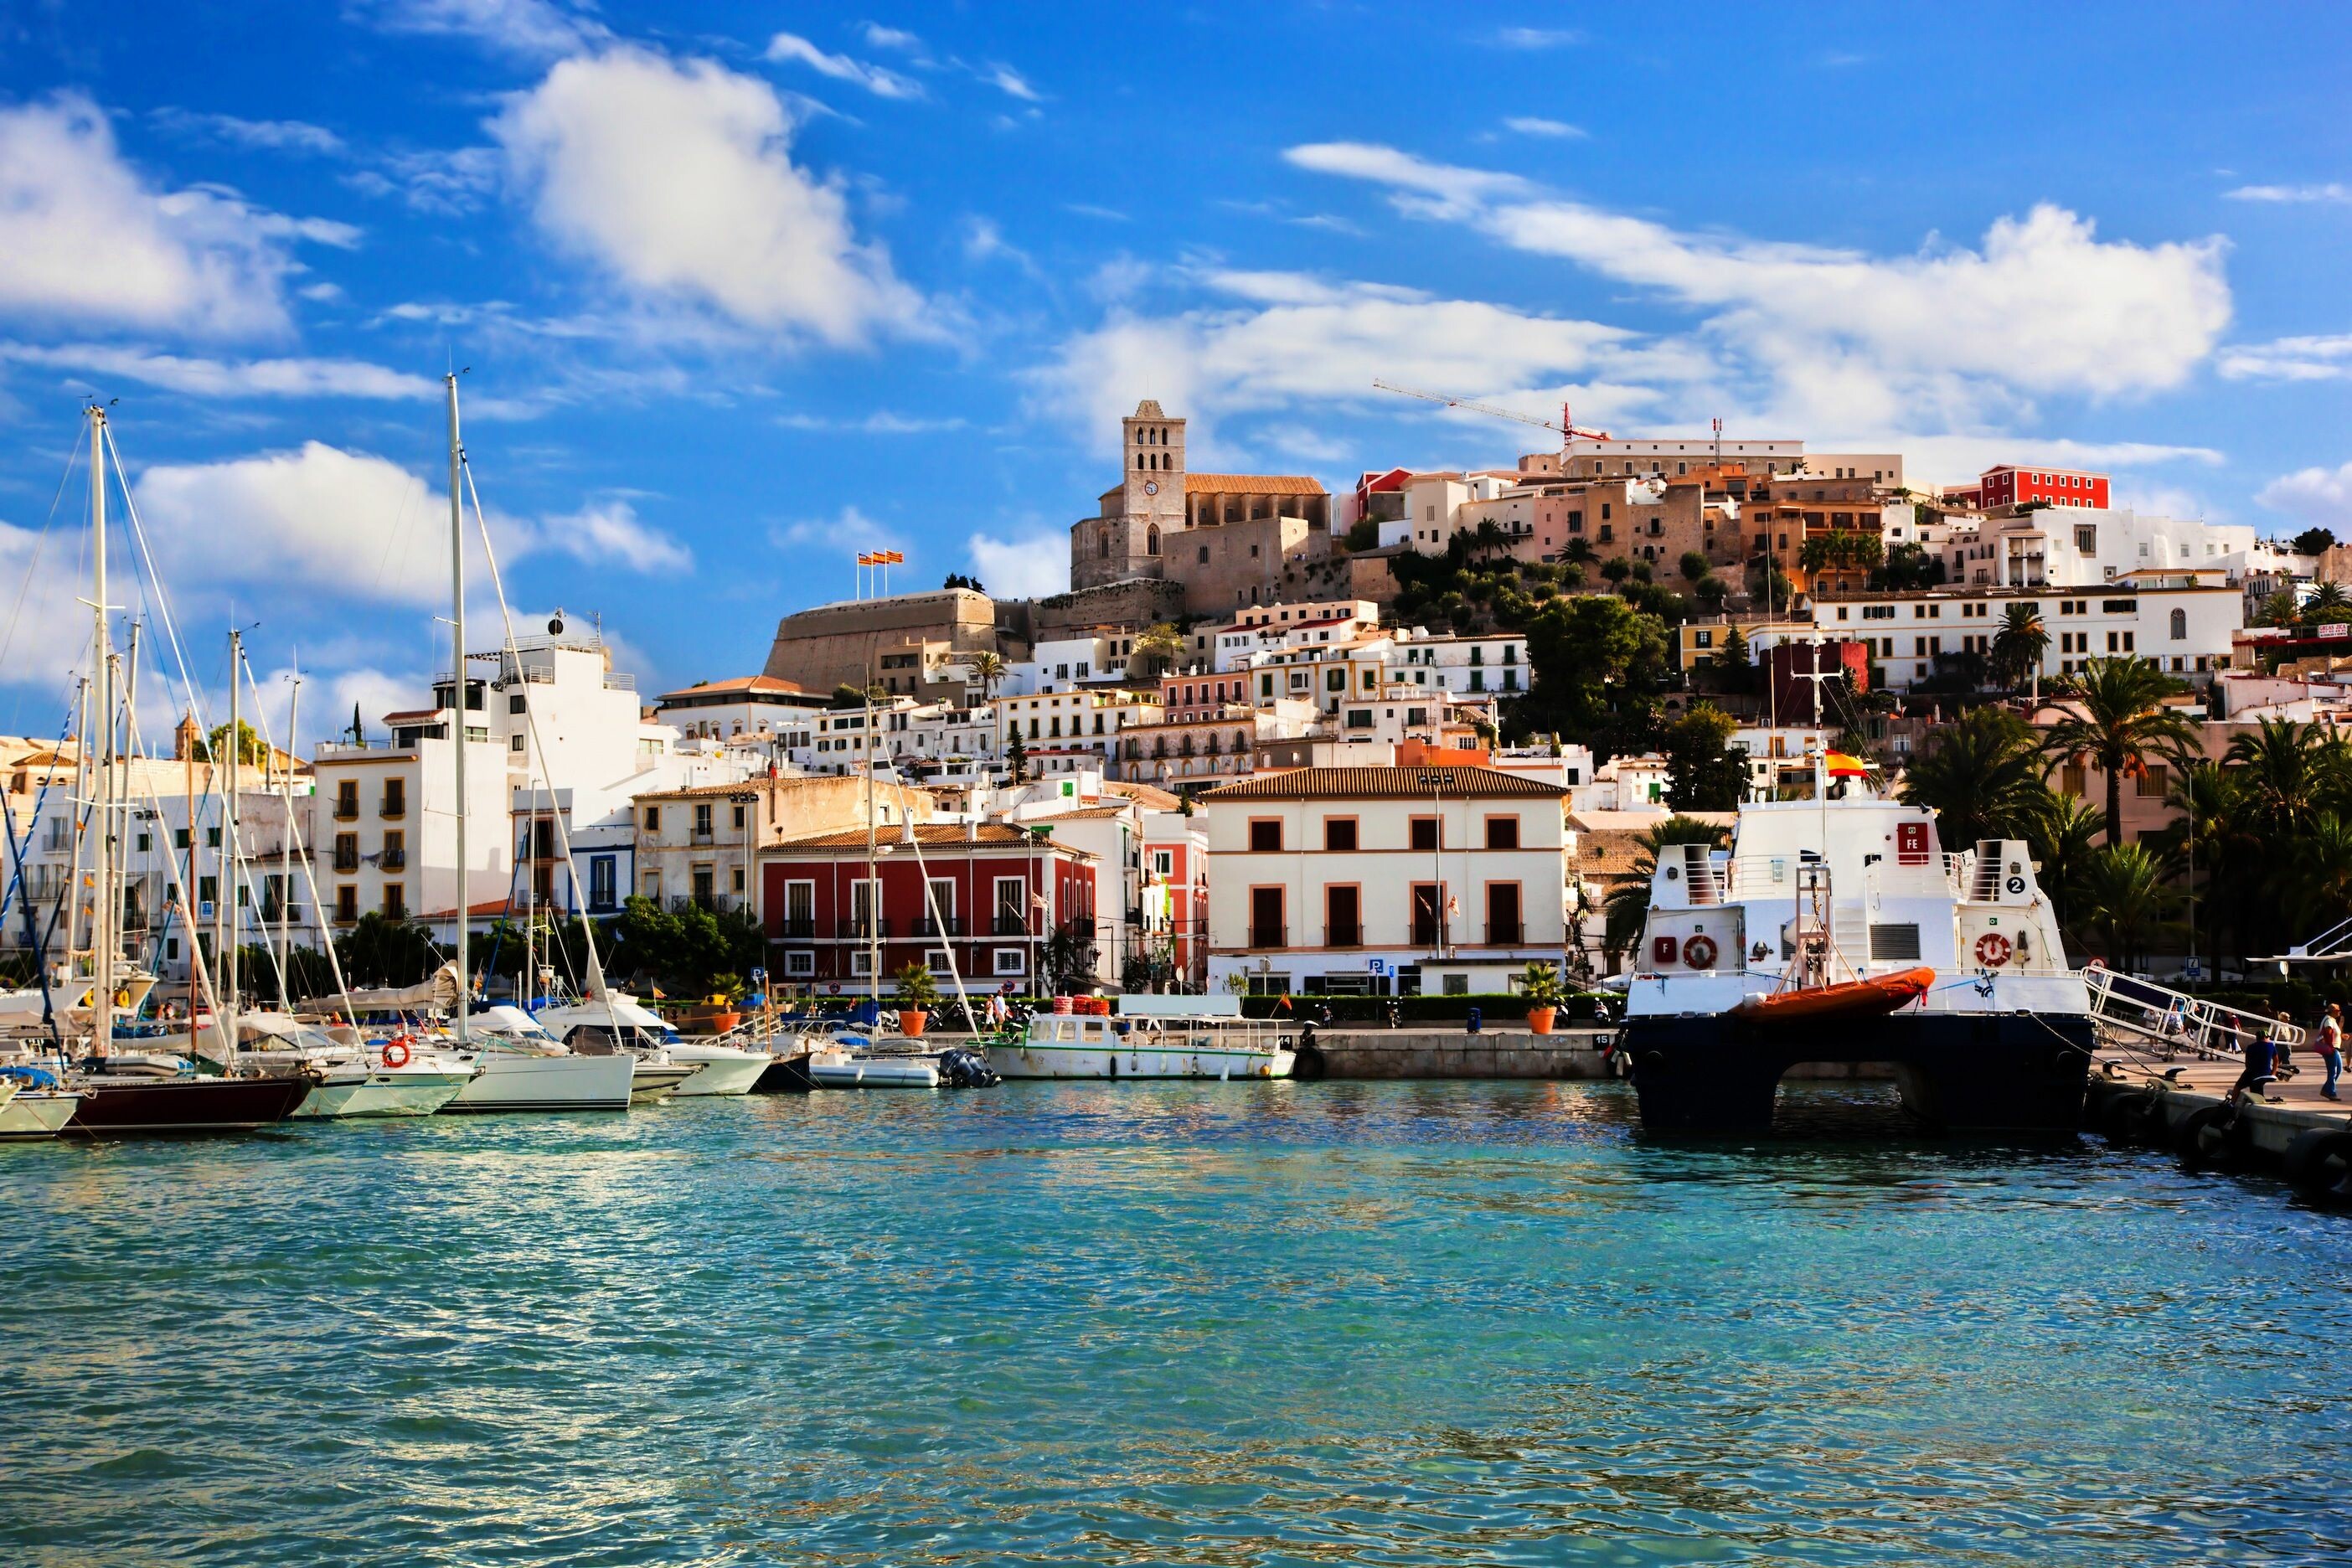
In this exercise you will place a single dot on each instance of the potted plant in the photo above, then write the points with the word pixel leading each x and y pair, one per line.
pixel 917 996
pixel 1540 985
pixel 725 991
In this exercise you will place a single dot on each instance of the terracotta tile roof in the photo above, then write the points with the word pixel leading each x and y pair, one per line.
pixel 720 791
pixel 486 908
pixel 1144 794
pixel 929 835
pixel 1252 485
pixel 1386 783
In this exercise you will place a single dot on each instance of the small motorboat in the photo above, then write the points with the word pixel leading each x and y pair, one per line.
pixel 1874 997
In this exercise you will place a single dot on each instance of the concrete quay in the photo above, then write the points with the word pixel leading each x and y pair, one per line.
pixel 2181 1102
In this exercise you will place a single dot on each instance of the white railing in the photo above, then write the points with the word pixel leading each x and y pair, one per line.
pixel 2176 1021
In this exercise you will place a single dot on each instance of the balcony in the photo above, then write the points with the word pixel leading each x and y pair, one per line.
pixel 1343 936
pixel 393 860
pixel 926 926
pixel 347 917
pixel 862 926
pixel 347 864
pixel 1425 933
pixel 1506 933
pixel 702 837
pixel 393 808
pixel 1269 936
pixel 1008 925
pixel 347 809
pixel 796 928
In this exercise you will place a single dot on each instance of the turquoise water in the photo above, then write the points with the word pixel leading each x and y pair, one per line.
pixel 1286 1323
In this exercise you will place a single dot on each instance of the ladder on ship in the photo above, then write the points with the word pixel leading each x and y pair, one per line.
pixel 2174 1021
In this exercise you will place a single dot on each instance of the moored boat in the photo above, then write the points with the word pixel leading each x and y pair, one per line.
pixel 114 1105
pixel 1221 1047
pixel 1874 997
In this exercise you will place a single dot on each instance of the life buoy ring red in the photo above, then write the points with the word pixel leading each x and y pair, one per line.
pixel 395 1053
pixel 1698 951
pixel 1992 949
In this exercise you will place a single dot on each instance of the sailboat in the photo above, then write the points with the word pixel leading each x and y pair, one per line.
pixel 32 1104
pixel 126 1093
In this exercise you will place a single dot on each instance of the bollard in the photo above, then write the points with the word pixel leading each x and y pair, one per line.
pixel 1474 1020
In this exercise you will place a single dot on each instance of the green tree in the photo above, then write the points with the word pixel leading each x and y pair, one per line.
pixel 2280 609
pixel 2285 765
pixel 1735 661
pixel 1017 755
pixel 1363 535
pixel 1160 646
pixel 2018 647
pixel 2118 720
pixel 1983 778
pixel 685 949
pixel 2314 541
pixel 1588 657
pixel 1627 907
pixel 1616 569
pixel 2062 833
pixel 2326 598
pixel 2130 901
pixel 380 952
pixel 1693 567
pixel 987 667
pixel 249 749
pixel 1702 773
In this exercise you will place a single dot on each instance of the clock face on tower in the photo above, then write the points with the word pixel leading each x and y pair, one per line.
pixel 1151 487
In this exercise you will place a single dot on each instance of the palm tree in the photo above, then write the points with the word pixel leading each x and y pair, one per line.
pixel 2321 873
pixel 1628 903
pixel 2018 647
pixel 2282 763
pixel 2063 834
pixel 2121 721
pixel 2129 899
pixel 987 667
pixel 2281 609
pixel 1981 781
pixel 2329 597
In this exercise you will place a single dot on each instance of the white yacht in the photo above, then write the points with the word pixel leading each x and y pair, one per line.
pixel 619 1024
pixel 1219 1046
pixel 524 1067
pixel 34 1105
pixel 403 1075
pixel 1836 928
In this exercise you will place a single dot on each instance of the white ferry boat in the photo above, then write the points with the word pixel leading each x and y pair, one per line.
pixel 1836 928
pixel 1220 1046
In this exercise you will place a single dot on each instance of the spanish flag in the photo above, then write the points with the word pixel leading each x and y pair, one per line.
pixel 1844 767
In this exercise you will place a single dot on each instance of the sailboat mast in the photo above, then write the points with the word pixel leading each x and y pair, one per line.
pixel 101 990
pixel 873 885
pixel 228 860
pixel 457 691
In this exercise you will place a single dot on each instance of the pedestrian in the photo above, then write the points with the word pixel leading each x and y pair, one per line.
pixel 2283 1044
pixel 2331 1049
pixel 2258 1062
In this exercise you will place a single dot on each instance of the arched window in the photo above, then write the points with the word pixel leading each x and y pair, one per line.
pixel 2180 625
pixel 1102 545
pixel 1151 543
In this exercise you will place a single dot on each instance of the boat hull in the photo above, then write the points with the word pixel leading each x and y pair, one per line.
pixel 846 1071
pixel 721 1071
pixel 547 1083
pixel 1030 1058
pixel 386 1091
pixel 38 1113
pixel 185 1105
pixel 1957 1072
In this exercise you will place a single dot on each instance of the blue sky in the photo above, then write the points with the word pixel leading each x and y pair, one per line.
pixel 740 298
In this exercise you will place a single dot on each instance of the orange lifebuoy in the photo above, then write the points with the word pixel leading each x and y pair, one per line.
pixel 1700 953
pixel 395 1053
pixel 1992 949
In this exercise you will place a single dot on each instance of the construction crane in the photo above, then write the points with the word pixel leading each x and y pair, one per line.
pixel 1566 426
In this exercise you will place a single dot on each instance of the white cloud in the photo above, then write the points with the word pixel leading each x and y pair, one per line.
pixel 267 135
pixel 2321 496
pixel 882 422
pixel 610 532
pixel 2330 192
pixel 452 181
pixel 1298 338
pixel 1532 125
pixel 1007 80
pixel 1840 341
pixel 2325 358
pixel 89 239
pixel 534 29
pixel 1028 567
pixel 45 624
pixel 879 81
pixel 1537 37
pixel 227 378
pixel 353 525
pixel 676 178
pixel 882 37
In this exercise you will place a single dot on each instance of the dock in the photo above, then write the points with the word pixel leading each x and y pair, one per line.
pixel 2181 1103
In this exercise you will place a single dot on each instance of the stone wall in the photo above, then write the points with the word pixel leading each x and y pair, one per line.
pixel 1138 602
pixel 842 644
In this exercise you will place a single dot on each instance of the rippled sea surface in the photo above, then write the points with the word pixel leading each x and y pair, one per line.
pixel 1287 1324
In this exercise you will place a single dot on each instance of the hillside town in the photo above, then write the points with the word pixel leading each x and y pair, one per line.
pixel 1182 775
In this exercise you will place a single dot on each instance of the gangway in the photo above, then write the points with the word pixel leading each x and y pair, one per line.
pixel 2174 1021
pixel 2333 945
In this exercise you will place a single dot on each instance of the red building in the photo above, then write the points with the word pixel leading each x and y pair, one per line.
pixel 1790 667
pixel 2059 486
pixel 1184 698
pixel 1002 894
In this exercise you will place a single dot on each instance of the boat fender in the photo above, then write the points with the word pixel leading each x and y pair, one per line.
pixel 395 1053
pixel 1700 953
pixel 2319 1164
pixel 1992 949
pixel 2208 1137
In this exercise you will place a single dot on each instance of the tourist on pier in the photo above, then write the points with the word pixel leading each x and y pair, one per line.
pixel 2282 1047
pixel 2258 1062
pixel 2330 1046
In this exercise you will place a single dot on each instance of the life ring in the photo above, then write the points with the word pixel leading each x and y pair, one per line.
pixel 395 1053
pixel 1992 949
pixel 2094 964
pixel 1698 951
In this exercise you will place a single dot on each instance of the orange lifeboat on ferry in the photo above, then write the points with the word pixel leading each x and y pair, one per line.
pixel 1872 998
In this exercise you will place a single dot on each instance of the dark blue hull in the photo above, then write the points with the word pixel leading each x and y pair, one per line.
pixel 1959 1072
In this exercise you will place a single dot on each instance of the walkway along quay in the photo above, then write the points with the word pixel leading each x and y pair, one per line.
pixel 2183 1103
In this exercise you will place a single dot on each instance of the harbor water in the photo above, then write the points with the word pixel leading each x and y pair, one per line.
pixel 1183 1323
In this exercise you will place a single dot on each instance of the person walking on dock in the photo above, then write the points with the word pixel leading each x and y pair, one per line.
pixel 2330 1046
